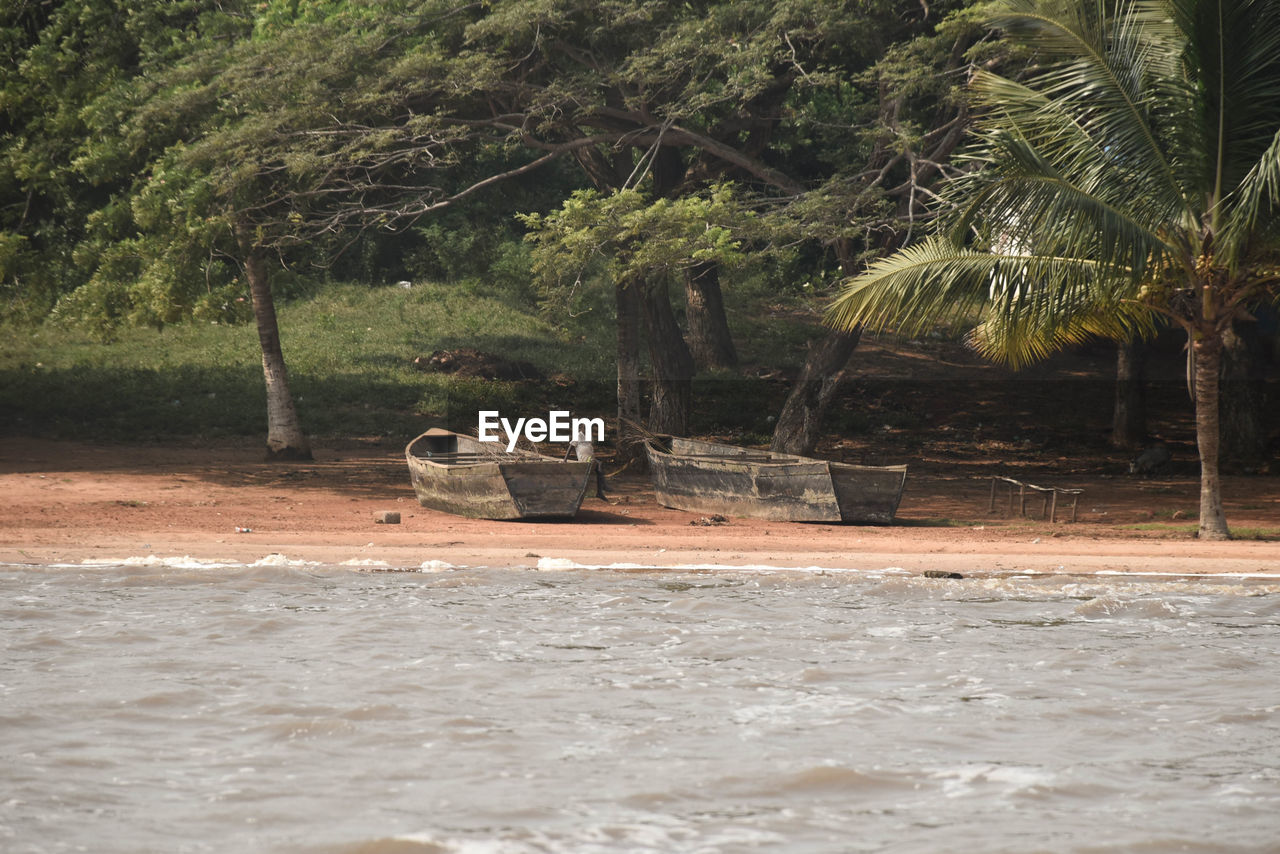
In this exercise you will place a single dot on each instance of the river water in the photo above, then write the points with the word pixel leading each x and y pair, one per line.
pixel 307 709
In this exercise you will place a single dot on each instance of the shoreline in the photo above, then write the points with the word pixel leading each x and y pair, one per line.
pixel 550 552
pixel 70 502
pixel 992 564
pixel 558 565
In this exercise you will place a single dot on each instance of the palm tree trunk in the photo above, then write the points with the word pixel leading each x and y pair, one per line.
pixel 1207 350
pixel 285 439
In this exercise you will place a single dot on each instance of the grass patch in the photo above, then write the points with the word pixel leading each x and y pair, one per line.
pixel 943 522
pixel 1265 534
pixel 1164 527
pixel 350 351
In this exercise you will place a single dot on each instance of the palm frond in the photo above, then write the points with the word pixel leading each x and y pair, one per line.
pixel 1232 48
pixel 1103 170
pixel 998 339
pixel 1105 82
pixel 1256 198
pixel 1031 131
pixel 1023 195
pixel 1031 296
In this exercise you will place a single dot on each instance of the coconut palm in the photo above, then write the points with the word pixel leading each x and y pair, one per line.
pixel 1134 172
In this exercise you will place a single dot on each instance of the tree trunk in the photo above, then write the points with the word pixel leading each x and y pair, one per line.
pixel 672 364
pixel 627 300
pixel 1207 350
pixel 1129 420
pixel 285 439
pixel 709 338
pixel 800 423
pixel 1244 431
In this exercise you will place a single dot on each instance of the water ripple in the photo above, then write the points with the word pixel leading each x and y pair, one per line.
pixel 289 708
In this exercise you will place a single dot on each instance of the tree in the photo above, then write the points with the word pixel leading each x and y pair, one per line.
pixel 1135 173
pixel 1244 425
pixel 675 96
pixel 1129 413
pixel 283 141
pixel 65 66
pixel 116 224
pixel 665 97
pixel 644 245
pixel 242 161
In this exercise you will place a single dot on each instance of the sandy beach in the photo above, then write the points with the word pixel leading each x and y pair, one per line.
pixel 69 503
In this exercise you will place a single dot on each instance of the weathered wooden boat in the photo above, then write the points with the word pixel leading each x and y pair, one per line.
pixel 459 474
pixel 708 477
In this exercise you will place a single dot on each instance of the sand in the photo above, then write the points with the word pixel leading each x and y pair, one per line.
pixel 68 503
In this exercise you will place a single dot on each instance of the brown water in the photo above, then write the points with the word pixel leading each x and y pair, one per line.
pixel 278 709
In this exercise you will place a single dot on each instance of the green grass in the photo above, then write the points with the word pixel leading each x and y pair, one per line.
pixel 1255 533
pixel 1190 529
pixel 350 351
pixel 1163 527
pixel 946 522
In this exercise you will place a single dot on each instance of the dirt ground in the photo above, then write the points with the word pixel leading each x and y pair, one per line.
pixel 65 503
pixel 955 419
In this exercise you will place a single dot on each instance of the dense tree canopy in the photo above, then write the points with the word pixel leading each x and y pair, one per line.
pixel 66 169
pixel 314 119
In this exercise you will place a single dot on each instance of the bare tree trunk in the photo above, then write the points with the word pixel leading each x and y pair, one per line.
pixel 672 364
pixel 1129 420
pixel 800 423
pixel 1207 350
pixel 709 338
pixel 627 299
pixel 285 439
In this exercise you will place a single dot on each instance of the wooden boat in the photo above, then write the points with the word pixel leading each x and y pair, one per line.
pixel 708 477
pixel 459 474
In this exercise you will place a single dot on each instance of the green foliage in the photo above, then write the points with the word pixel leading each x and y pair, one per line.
pixel 1130 174
pixel 69 83
pixel 793 101
pixel 631 237
pixel 140 136
pixel 147 135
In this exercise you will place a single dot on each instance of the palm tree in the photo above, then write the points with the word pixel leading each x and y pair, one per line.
pixel 1134 172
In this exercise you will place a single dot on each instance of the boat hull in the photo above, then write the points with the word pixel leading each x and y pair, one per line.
pixel 456 474
pixel 706 477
